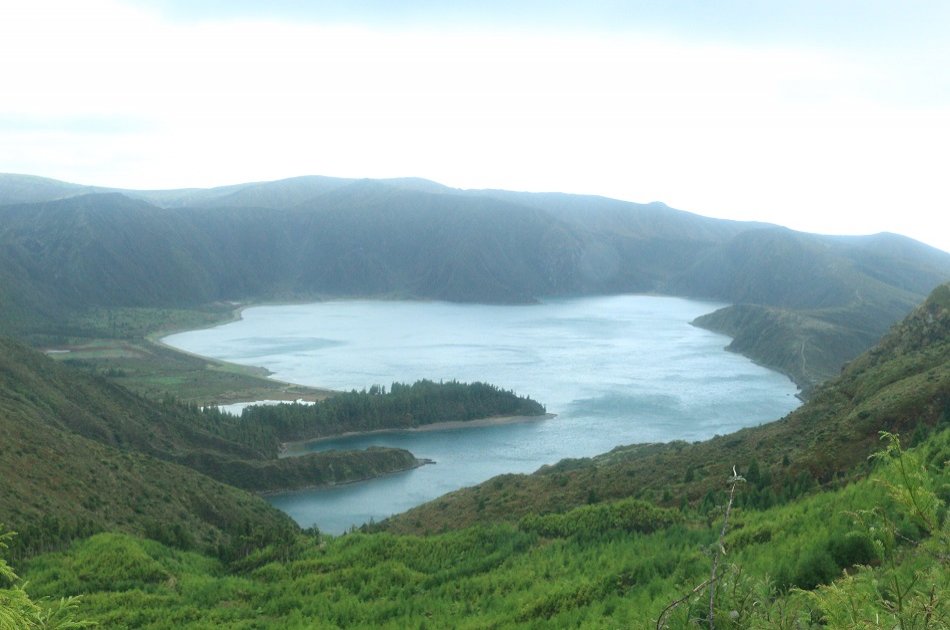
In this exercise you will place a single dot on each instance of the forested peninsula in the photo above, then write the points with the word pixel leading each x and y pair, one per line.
pixel 404 406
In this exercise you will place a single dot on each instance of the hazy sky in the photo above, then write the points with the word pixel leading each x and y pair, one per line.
pixel 822 115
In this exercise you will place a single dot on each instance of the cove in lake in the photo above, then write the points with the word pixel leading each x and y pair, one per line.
pixel 616 370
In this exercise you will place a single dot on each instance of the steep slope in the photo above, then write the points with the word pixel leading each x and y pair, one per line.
pixel 24 304
pixel 58 486
pixel 107 249
pixel 371 238
pixel 802 302
pixel 399 238
pixel 782 268
pixel 42 391
pixel 80 454
pixel 801 344
pixel 806 564
pixel 902 386
pixel 896 260
pixel 623 246
pixel 62 479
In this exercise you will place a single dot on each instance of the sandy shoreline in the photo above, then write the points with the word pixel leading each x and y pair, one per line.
pixel 289 449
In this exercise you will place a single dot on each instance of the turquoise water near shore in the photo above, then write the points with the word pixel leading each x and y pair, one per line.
pixel 615 369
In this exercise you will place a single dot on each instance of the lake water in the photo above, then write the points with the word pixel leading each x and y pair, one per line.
pixel 616 370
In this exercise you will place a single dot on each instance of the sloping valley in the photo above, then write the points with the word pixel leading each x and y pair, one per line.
pixel 124 491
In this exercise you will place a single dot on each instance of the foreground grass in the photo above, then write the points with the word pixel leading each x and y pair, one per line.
pixel 872 554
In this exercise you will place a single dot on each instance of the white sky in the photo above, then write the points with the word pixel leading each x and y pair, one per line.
pixel 825 116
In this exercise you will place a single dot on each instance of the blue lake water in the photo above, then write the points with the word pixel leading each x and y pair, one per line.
pixel 616 370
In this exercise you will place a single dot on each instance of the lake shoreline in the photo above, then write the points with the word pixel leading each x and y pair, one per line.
pixel 285 391
pixel 420 462
pixel 616 369
pixel 296 448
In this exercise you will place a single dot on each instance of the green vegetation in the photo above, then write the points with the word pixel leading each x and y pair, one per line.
pixel 325 468
pixel 81 455
pixel 122 345
pixel 902 386
pixel 119 497
pixel 402 407
pixel 859 556
pixel 595 521
pixel 807 346
pixel 798 325
pixel 811 541
pixel 20 612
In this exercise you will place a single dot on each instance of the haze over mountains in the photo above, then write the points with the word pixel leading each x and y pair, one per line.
pixel 805 303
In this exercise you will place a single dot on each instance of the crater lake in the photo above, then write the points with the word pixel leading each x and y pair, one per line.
pixel 614 369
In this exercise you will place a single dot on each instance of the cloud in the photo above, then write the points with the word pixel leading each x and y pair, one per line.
pixel 121 94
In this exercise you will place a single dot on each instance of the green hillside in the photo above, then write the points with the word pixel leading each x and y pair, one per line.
pixel 131 500
pixel 801 304
pixel 902 384
pixel 806 345
pixel 526 575
pixel 81 455
pixel 811 533
pixel 78 448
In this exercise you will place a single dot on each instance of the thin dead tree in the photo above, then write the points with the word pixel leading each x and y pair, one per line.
pixel 720 547
pixel 719 552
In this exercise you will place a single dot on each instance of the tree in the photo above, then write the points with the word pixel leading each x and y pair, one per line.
pixel 19 612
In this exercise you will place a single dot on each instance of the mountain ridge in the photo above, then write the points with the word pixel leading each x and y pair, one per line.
pixel 315 237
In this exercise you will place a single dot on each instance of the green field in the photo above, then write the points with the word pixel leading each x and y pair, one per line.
pixel 123 345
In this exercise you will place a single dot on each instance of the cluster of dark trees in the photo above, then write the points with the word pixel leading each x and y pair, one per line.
pixel 402 407
pixel 49 532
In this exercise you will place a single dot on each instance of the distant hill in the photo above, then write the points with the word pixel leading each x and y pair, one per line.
pixel 805 303
pixel 802 302
pixel 786 269
pixel 16 188
pixel 902 385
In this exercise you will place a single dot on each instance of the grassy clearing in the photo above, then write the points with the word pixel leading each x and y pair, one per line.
pixel 123 345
